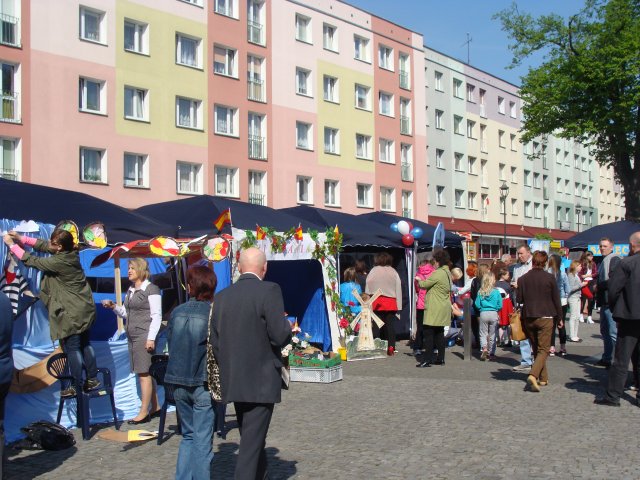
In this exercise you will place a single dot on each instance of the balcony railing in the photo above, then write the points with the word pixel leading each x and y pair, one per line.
pixel 256 148
pixel 255 90
pixel 9 174
pixel 9 30
pixel 404 80
pixel 10 111
pixel 407 213
pixel 254 32
pixel 406 172
pixel 405 125
pixel 257 198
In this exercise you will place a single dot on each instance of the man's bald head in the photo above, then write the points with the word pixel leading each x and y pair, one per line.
pixel 634 242
pixel 253 260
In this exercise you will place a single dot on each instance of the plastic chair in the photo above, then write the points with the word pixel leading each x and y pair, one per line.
pixel 58 368
pixel 157 370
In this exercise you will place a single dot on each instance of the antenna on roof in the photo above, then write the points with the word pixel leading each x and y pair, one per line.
pixel 467 43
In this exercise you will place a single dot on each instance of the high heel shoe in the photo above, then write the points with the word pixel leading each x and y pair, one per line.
pixel 138 422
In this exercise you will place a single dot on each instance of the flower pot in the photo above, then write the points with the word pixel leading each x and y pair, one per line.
pixel 343 353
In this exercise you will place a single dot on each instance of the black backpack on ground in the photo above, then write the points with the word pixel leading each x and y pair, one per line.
pixel 48 435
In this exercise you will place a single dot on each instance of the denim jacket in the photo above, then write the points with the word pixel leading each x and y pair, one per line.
pixel 187 339
pixel 563 283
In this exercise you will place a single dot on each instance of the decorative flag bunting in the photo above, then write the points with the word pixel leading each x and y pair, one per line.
pixel 298 233
pixel 223 219
pixel 260 233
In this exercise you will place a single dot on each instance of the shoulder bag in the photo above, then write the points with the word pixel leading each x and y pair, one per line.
pixel 517 333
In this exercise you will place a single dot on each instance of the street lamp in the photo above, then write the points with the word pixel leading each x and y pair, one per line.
pixel 504 193
pixel 578 210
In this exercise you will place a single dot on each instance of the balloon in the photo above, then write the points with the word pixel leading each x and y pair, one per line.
pixel 407 239
pixel 394 227
pixel 410 226
pixel 417 232
pixel 403 227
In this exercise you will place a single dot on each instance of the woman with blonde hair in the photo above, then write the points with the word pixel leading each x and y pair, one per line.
pixel 488 303
pixel 142 307
pixel 575 288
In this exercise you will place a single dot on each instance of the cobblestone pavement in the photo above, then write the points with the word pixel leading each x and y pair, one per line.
pixel 390 420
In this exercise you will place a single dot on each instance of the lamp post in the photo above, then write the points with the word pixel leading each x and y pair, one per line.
pixel 578 211
pixel 504 193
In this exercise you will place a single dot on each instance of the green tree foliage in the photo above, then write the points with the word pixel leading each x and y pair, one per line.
pixel 588 85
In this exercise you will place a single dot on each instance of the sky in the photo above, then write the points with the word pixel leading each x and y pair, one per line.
pixel 444 25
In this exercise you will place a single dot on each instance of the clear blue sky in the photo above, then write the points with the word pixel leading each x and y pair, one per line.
pixel 445 23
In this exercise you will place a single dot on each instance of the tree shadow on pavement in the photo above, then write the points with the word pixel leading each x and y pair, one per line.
pixel 40 462
pixel 225 458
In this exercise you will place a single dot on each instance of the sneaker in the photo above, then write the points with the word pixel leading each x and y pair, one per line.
pixel 552 352
pixel 68 392
pixel 523 367
pixel 91 384
pixel 576 339
pixel 581 318
pixel 590 320
pixel 563 352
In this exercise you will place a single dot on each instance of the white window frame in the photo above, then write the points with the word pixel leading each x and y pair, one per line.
pixel 225 120
pixel 501 105
pixel 303 82
pixel 471 126
pixel 332 140
pixel 195 177
pixel 361 48
pixel 303 29
pixel 439 158
pixel 527 208
pixel 141 170
pixel 387 199
pixel 458 198
pixel 512 110
pixel 471 165
pixel 536 180
pixel 140 39
pixel 512 142
pixel 385 101
pixel 195 113
pixel 501 172
pixel 514 207
pixel 526 178
pixel 330 37
pixel 257 185
pixel 84 93
pixel 404 66
pixel 256 78
pixel 405 116
pixel 471 201
pixel 139 107
pixel 536 210
pixel 228 8
pixel 458 161
pixel 471 93
pixel 385 57
pixel 181 42
pixel 332 193
pixel 331 89
pixel 457 125
pixel 437 84
pixel 439 124
pixel 306 183
pixel 304 142
pixel 501 139
pixel 386 150
pixel 100 17
pixel 440 198
pixel 457 88
pixel 514 174
pixel 229 178
pixel 363 146
pixel 364 198
pixel 366 97
pixel 229 67
pixel 102 159
pixel 13 168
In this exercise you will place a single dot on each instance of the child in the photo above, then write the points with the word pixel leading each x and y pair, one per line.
pixel 488 303
pixel 504 287
pixel 575 288
pixel 346 291
pixel 424 270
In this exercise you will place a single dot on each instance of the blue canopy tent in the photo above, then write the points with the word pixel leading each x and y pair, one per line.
pixel 26 201
pixel 618 232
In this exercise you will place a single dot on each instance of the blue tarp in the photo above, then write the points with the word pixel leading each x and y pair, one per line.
pixel 619 232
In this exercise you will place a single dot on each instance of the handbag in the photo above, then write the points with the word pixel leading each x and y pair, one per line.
pixel 517 333
pixel 586 292
pixel 213 370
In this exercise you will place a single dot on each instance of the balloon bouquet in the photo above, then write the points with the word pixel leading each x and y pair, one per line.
pixel 408 231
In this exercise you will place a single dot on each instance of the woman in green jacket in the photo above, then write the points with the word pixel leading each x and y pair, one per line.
pixel 437 308
pixel 66 294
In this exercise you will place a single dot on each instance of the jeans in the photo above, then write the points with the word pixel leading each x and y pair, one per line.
pixel 79 351
pixel 488 324
pixel 609 332
pixel 626 349
pixel 195 409
pixel 539 333
pixel 525 351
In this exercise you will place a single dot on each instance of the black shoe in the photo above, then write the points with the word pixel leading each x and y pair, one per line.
pixel 91 384
pixel 155 414
pixel 603 363
pixel 68 392
pixel 439 362
pixel 606 401
pixel 138 422
pixel 423 365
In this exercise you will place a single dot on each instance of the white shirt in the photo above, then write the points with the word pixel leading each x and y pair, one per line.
pixel 155 309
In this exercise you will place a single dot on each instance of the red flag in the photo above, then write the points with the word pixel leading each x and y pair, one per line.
pixel 260 233
pixel 298 233
pixel 223 219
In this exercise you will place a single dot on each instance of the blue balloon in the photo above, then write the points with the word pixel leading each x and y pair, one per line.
pixel 417 232
pixel 394 227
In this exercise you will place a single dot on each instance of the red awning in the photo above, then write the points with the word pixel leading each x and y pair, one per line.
pixel 478 227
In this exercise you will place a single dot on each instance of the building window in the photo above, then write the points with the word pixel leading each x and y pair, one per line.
pixel 364 195
pixel 526 178
pixel 457 88
pixel 514 206
pixel 9 84
pixel 527 209
pixel 404 64
pixel 10 23
pixel 188 113
pixel 501 139
pixel 257 190
pixel 387 199
pixel 92 25
pixel 405 116
pixel 303 82
pixel 188 51
pixel 135 37
pixel 536 180
pixel 501 105
pixel 255 21
pixel 484 174
pixel 136 172
pixel 459 198
pixel 471 93
pixel 512 142
pixel 304 136
pixel 440 200
pixel 303 28
pixel 257 136
pixel 471 129
pixel 329 37
pixel 514 175
pixel 457 125
pixel 407 203
pixel 439 123
pixel 331 140
pixel 386 104
pixel 255 79
pixel 363 146
pixel 304 189
pixel 92 95
pixel 225 120
pixel 438 81
pixel 483 138
pixel 361 48
pixel 512 109
pixel 10 156
pixel 458 162
pixel 193 2
pixel 226 181
pixel 332 193
pixel 471 167
pixel 363 100
pixel 224 61
pixel 226 8
pixel 559 185
pixel 387 151
pixel 385 57
pixel 330 87
pixel 439 158
pixel 135 103
pixel 536 210
pixel 471 200
pixel 501 172
pixel 406 163
pixel 189 178
pixel 93 165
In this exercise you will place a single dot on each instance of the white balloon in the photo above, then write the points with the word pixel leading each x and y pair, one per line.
pixel 403 227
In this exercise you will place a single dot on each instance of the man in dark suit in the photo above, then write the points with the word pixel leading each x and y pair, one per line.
pixel 6 364
pixel 623 287
pixel 248 332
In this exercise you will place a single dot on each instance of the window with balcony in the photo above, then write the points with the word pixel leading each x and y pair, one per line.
pixel 226 181
pixel 136 170
pixel 387 199
pixel 438 81
pixel 363 98
pixel 92 25
pixel 365 199
pixel 457 88
pixel 439 158
pixel 135 104
pixel 471 129
pixel 332 193
pixel 255 79
pixel 385 57
pixel 10 155
pixel 303 28
pixel 303 82
pixel 405 116
pixel 361 48
pixel 440 200
pixel 188 113
pixel 386 104
pixel 224 61
pixel 439 114
pixel 92 96
pixel 458 162
pixel 93 165
pixel 304 189
pixel 304 137
pixel 407 203
pixel 406 165
pixel 255 22
pixel 257 126
pixel 10 23
pixel 330 89
pixel 404 65
pixel 188 51
pixel 189 178
pixel 387 151
pixel 459 198
pixel 457 125
pixel 136 38
pixel 331 140
pixel 9 84
pixel 228 8
pixel 257 187
pixel 363 146
pixel 329 37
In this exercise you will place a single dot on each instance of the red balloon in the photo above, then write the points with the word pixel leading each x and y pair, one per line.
pixel 410 225
pixel 407 240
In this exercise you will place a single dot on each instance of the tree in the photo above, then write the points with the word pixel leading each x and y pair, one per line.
pixel 588 85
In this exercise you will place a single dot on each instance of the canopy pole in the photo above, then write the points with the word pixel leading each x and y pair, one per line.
pixel 118 285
